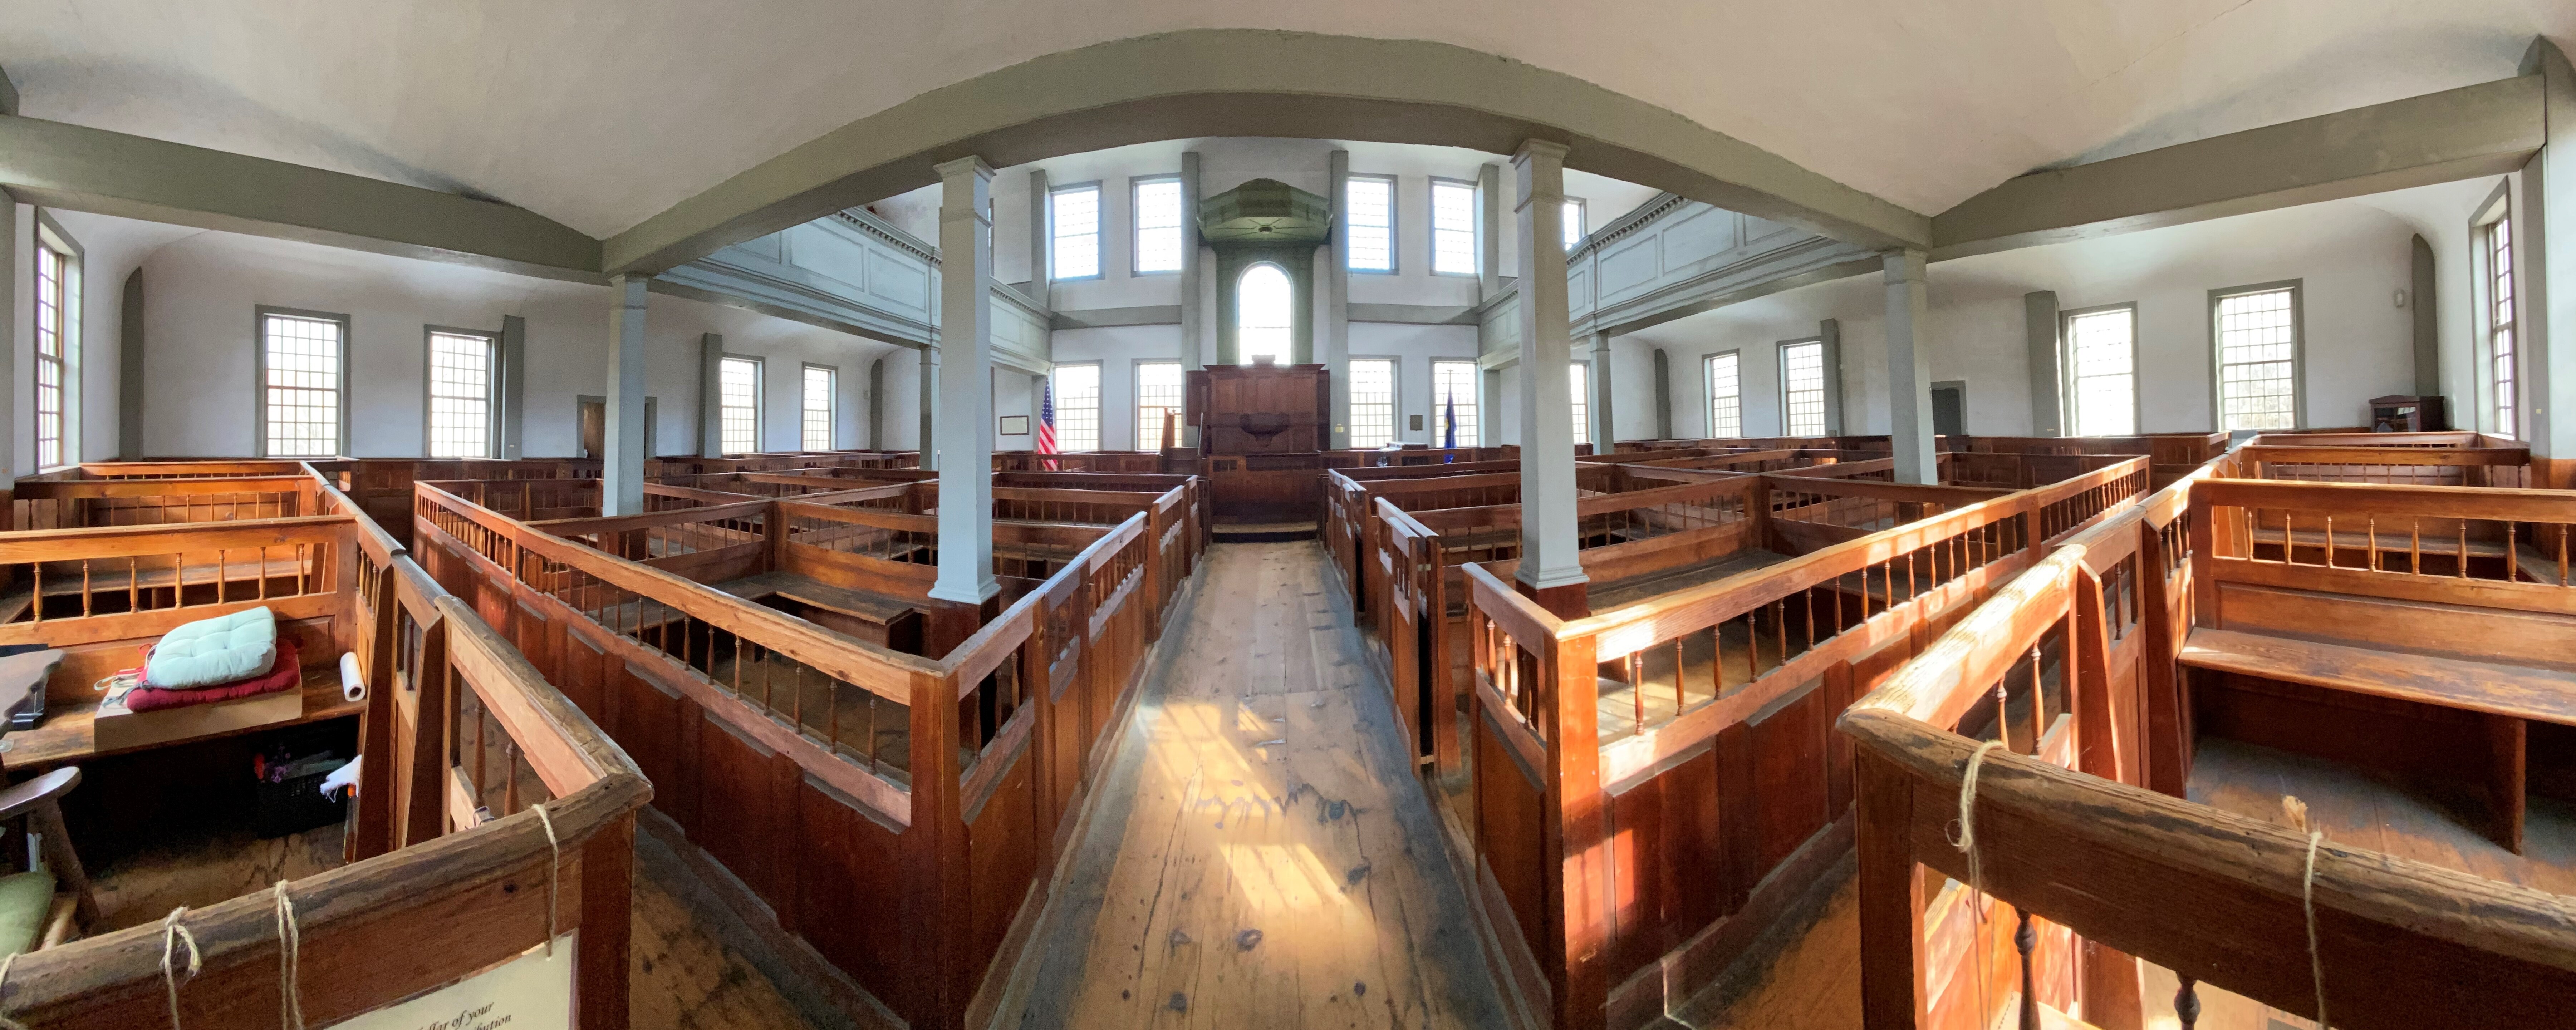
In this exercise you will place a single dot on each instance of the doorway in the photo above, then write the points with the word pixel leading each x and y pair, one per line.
pixel 594 426
pixel 1950 408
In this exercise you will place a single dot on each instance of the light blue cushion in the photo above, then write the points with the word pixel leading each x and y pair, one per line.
pixel 212 651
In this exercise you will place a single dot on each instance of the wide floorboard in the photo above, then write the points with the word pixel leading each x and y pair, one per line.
pixel 1261 855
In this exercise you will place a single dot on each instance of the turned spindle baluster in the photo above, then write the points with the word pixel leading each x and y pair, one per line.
pixel 2025 938
pixel 2187 1003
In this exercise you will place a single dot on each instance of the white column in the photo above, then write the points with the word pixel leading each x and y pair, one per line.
pixel 1333 345
pixel 711 395
pixel 1041 238
pixel 1909 369
pixel 1193 272
pixel 514 383
pixel 965 419
pixel 2547 277
pixel 1605 427
pixel 1548 542
pixel 621 491
pixel 925 375
pixel 1489 232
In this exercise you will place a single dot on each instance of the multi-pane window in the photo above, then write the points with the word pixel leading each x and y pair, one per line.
pixel 2102 369
pixel 1158 392
pixel 1725 395
pixel 1074 214
pixel 1077 407
pixel 460 394
pixel 2258 368
pixel 57 340
pixel 1573 224
pixel 2500 357
pixel 1371 223
pixel 1372 402
pixel 822 389
pixel 1802 387
pixel 1576 375
pixel 738 395
pixel 1159 232
pixel 302 392
pixel 1453 227
pixel 1453 395
pixel 1264 314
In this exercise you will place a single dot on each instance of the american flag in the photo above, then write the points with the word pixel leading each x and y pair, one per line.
pixel 1046 423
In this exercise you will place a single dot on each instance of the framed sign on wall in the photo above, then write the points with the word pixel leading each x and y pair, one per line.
pixel 1015 425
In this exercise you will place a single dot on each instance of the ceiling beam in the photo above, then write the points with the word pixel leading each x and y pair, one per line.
pixel 2486 129
pixel 77 168
pixel 1253 82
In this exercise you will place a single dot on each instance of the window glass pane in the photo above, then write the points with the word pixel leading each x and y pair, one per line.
pixel 460 395
pixel 1075 212
pixel 1372 402
pixel 1573 224
pixel 301 398
pixel 1264 309
pixel 1453 395
pixel 1158 225
pixel 819 395
pixel 1158 390
pixel 1371 223
pixel 1582 401
pixel 2103 363
pixel 57 330
pixel 2500 336
pixel 1077 407
pixel 738 391
pixel 1802 388
pixel 2257 362
pixel 1725 396
pixel 1453 227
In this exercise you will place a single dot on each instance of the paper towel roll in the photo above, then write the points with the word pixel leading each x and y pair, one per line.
pixel 353 684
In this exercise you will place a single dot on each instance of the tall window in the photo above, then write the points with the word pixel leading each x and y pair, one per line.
pixel 460 394
pixel 1725 395
pixel 2258 358
pixel 1573 224
pixel 1074 214
pixel 822 391
pixel 1802 387
pixel 2500 321
pixel 1371 223
pixel 1453 389
pixel 1453 227
pixel 2102 368
pixel 1372 402
pixel 1159 236
pixel 1077 407
pixel 302 393
pixel 738 392
pixel 1158 390
pixel 1576 375
pixel 58 293
pixel 1264 313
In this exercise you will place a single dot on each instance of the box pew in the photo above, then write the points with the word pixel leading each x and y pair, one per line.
pixel 463 736
pixel 825 775
pixel 137 501
pixel 1690 732
pixel 2413 465
pixel 2084 668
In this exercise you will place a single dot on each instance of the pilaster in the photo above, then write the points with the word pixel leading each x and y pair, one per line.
pixel 965 422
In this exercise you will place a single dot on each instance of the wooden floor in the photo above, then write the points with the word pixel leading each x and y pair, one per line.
pixel 1261 855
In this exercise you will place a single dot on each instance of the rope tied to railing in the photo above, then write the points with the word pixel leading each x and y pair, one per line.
pixel 7 1023
pixel 2297 810
pixel 1966 842
pixel 290 961
pixel 554 872
pixel 172 934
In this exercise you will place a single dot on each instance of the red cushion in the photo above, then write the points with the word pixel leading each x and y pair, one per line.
pixel 284 674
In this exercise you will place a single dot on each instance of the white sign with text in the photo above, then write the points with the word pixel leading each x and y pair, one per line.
pixel 530 992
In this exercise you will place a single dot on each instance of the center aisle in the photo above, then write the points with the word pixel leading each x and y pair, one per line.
pixel 1260 855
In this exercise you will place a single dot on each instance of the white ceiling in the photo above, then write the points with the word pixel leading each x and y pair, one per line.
pixel 601 113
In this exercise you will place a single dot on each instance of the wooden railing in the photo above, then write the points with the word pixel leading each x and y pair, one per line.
pixel 141 501
pixel 926 792
pixel 2419 464
pixel 449 703
pixel 1086 461
pixel 2089 838
pixel 1577 803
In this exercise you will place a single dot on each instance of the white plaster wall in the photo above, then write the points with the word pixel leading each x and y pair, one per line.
pixel 901 422
pixel 1117 349
pixel 2350 257
pixel 1413 347
pixel 202 293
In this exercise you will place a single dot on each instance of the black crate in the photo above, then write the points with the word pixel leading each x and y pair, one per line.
pixel 294 805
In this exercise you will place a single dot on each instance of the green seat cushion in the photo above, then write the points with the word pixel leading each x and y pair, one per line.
pixel 25 900
pixel 212 651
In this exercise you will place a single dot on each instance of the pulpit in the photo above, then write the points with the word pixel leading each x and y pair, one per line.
pixel 1262 430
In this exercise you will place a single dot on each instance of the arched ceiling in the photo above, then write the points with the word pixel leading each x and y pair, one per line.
pixel 602 114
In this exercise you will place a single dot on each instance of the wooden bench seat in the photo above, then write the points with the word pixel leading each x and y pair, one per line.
pixel 68 734
pixel 2518 691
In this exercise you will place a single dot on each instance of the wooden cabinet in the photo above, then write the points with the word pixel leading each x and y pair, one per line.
pixel 2402 414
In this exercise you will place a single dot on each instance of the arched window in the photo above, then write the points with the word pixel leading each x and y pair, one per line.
pixel 1262 306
